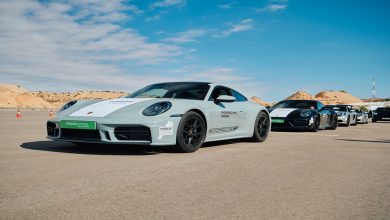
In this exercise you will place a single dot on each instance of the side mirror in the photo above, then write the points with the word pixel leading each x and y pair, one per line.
pixel 226 98
pixel 268 107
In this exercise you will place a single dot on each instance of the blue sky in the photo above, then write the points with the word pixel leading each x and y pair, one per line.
pixel 267 48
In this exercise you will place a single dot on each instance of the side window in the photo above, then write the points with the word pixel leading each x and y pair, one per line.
pixel 238 96
pixel 319 105
pixel 219 91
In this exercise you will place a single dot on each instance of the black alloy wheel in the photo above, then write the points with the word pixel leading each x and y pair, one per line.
pixel 356 121
pixel 191 133
pixel 261 129
pixel 334 123
pixel 316 125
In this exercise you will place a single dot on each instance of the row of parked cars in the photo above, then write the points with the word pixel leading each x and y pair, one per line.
pixel 187 114
pixel 314 115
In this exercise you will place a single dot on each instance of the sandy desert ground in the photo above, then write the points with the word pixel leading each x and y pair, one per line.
pixel 342 174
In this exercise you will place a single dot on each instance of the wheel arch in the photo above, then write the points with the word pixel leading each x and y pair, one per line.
pixel 201 115
pixel 268 115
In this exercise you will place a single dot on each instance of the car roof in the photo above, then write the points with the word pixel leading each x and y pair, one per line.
pixel 300 100
pixel 187 82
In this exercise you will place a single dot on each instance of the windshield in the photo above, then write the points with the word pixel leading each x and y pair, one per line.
pixel 301 104
pixel 180 90
pixel 339 108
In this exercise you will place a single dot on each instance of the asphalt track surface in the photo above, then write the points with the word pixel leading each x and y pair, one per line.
pixel 342 174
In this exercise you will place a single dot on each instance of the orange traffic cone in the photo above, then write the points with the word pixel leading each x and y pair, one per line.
pixel 51 113
pixel 18 115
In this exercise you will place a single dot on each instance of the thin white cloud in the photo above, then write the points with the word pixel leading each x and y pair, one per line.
pixel 226 6
pixel 78 43
pixel 187 36
pixel 61 47
pixel 278 1
pixel 243 25
pixel 153 18
pixel 168 3
pixel 272 8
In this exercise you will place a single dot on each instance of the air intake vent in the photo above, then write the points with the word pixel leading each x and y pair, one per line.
pixel 51 129
pixel 133 133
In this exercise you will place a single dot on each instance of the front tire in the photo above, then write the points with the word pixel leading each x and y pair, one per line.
pixel 356 121
pixel 191 133
pixel 348 121
pixel 316 125
pixel 261 129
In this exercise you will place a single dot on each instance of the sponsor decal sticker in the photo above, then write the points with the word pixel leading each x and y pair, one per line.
pixel 227 114
pixel 277 120
pixel 223 129
pixel 166 130
pixel 84 125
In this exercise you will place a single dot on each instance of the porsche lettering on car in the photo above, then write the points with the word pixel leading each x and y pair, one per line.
pixel 181 114
pixel 302 115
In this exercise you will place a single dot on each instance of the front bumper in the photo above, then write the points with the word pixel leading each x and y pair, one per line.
pixel 156 131
pixel 342 119
pixel 298 124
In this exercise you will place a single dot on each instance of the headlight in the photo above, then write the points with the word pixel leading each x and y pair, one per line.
pixel 67 105
pixel 157 108
pixel 306 113
pixel 341 114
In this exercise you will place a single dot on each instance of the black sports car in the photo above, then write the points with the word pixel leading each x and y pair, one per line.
pixel 381 114
pixel 302 114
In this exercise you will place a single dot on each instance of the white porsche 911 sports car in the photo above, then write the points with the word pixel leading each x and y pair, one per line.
pixel 181 114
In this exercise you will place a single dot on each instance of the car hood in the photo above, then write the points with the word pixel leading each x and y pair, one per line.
pixel 122 108
pixel 106 107
pixel 282 112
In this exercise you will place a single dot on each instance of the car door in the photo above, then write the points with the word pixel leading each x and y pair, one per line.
pixel 324 113
pixel 226 119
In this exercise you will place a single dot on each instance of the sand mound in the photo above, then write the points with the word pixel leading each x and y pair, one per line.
pixel 327 97
pixel 259 101
pixel 300 95
pixel 9 88
pixel 17 97
pixel 337 97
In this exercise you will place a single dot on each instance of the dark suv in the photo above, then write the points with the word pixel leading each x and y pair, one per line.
pixel 381 114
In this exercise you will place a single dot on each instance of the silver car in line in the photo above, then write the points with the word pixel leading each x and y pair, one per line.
pixel 346 116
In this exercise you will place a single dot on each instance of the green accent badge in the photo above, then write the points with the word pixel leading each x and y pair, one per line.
pixel 277 120
pixel 86 125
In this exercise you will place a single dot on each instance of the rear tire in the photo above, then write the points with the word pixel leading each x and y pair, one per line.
pixel 334 123
pixel 191 133
pixel 261 129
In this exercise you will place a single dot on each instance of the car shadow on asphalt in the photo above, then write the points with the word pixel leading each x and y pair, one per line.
pixel 384 141
pixel 110 149
pixel 92 149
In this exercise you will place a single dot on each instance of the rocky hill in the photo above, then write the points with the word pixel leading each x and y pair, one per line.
pixel 15 96
pixel 259 101
pixel 327 97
